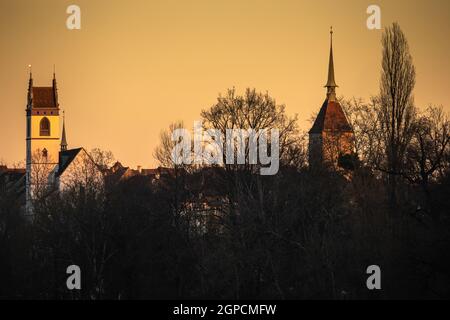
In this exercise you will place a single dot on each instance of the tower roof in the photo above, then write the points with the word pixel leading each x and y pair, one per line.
pixel 42 97
pixel 331 117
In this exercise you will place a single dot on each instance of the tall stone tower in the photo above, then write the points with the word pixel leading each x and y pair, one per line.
pixel 331 136
pixel 42 138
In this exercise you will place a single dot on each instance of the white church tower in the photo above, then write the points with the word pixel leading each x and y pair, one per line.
pixel 42 138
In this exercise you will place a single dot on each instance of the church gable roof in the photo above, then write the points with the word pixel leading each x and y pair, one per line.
pixel 44 97
pixel 331 117
pixel 66 158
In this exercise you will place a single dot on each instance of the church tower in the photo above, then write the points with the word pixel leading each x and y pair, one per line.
pixel 42 138
pixel 331 136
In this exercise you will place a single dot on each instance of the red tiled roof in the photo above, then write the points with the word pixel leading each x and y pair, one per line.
pixel 43 97
pixel 4 168
pixel 331 117
pixel 17 170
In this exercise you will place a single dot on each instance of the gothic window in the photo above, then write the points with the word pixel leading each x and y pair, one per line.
pixel 44 127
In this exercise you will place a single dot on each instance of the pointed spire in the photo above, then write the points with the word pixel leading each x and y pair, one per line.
pixel 331 83
pixel 30 87
pixel 55 88
pixel 63 137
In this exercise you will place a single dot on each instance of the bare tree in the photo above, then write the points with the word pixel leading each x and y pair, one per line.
pixel 42 174
pixel 76 222
pixel 163 152
pixel 397 111
pixel 368 139
pixel 84 173
pixel 253 110
pixel 103 158
pixel 425 154
pixel 296 153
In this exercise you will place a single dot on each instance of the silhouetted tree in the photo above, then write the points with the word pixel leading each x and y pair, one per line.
pixel 397 111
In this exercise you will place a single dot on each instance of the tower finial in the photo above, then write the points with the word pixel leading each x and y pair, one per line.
pixel 331 83
pixel 63 136
pixel 54 72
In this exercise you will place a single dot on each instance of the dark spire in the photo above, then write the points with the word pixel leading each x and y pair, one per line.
pixel 331 83
pixel 55 88
pixel 30 87
pixel 63 137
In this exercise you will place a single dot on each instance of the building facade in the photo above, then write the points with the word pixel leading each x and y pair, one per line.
pixel 42 138
pixel 50 165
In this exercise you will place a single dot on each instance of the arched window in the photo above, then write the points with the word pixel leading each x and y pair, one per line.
pixel 45 153
pixel 44 127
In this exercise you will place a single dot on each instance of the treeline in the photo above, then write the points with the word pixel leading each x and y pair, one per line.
pixel 228 232
pixel 219 234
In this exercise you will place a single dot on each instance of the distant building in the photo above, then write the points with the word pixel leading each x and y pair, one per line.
pixel 331 136
pixel 13 181
pixel 119 173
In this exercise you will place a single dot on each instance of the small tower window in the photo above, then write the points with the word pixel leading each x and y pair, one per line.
pixel 45 153
pixel 44 127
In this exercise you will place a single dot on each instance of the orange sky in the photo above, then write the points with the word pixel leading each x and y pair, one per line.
pixel 137 65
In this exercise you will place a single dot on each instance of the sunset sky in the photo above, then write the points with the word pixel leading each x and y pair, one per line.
pixel 136 66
